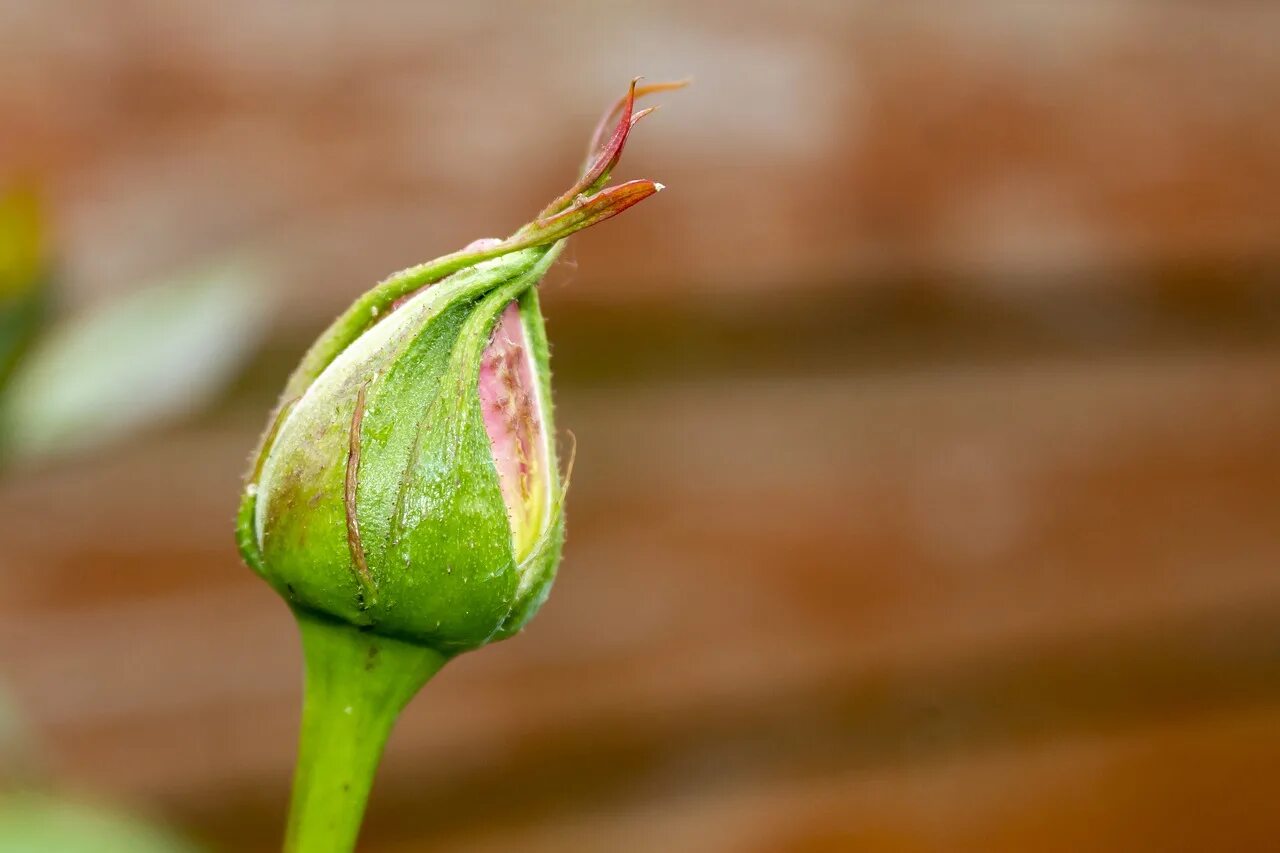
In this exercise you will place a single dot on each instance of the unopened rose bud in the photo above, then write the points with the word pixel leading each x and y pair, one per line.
pixel 406 500
pixel 409 484
pixel 412 488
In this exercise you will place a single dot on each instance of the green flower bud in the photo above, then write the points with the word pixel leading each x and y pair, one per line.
pixel 409 483
pixel 385 501
pixel 406 500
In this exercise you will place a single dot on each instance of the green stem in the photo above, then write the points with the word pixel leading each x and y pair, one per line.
pixel 357 684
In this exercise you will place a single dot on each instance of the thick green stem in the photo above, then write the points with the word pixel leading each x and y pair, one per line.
pixel 357 684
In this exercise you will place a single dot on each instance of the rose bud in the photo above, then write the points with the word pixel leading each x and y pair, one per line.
pixel 406 500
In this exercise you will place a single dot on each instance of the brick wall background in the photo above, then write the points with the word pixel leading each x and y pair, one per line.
pixel 927 483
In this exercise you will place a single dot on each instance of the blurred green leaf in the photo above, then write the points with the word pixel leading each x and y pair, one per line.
pixel 23 280
pixel 21 246
pixel 38 823
pixel 145 359
pixel 21 316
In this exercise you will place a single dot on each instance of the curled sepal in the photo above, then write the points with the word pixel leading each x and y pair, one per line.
pixel 603 155
pixel 588 210
pixel 624 103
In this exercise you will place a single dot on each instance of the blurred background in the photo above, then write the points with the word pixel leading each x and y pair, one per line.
pixel 927 493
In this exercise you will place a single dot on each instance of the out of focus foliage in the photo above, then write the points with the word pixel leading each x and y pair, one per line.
pixel 23 287
pixel 145 359
pixel 36 823
pixel 76 384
